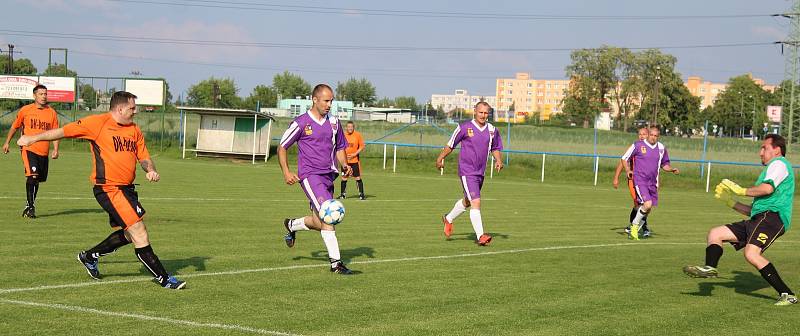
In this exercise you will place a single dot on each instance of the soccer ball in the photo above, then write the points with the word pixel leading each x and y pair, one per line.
pixel 331 212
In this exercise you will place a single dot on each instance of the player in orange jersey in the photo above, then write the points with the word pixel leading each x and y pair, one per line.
pixel 355 144
pixel 117 146
pixel 34 118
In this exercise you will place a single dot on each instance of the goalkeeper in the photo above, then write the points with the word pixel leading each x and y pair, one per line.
pixel 768 218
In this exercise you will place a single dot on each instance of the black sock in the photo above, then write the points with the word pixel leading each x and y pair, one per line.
pixel 151 262
pixel 114 241
pixel 360 187
pixel 713 253
pixel 344 186
pixel 771 275
pixel 633 214
pixel 30 190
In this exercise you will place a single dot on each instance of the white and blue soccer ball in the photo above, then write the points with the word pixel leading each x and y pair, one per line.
pixel 331 212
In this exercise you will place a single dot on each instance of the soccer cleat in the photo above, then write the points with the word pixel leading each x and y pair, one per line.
pixel 29 212
pixel 289 238
pixel 91 266
pixel 342 196
pixel 338 267
pixel 634 234
pixel 786 300
pixel 172 283
pixel 362 197
pixel 701 271
pixel 448 227
pixel 628 229
pixel 646 233
pixel 484 240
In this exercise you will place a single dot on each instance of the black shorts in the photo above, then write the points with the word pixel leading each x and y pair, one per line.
pixel 761 230
pixel 121 203
pixel 356 169
pixel 35 165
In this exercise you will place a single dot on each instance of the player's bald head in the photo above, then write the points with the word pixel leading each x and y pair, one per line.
pixel 484 104
pixel 319 89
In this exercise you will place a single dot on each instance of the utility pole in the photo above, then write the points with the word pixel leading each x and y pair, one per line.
pixel 791 64
pixel 215 93
pixel 656 94
pixel 10 66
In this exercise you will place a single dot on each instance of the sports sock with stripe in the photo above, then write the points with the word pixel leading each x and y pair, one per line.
pixel 770 274
pixel 151 263
pixel 114 241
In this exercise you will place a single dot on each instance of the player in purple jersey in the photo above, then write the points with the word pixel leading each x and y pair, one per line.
pixel 321 144
pixel 649 155
pixel 478 138
pixel 643 132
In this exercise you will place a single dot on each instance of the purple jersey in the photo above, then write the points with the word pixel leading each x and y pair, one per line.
pixel 317 143
pixel 476 144
pixel 649 159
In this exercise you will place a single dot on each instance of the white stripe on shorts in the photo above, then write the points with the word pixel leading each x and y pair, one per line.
pixel 310 193
pixel 464 184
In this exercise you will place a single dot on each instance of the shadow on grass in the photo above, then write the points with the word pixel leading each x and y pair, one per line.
pixel 71 212
pixel 173 266
pixel 742 283
pixel 472 237
pixel 347 254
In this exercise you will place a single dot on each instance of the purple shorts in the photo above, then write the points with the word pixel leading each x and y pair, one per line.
pixel 318 189
pixel 472 185
pixel 646 192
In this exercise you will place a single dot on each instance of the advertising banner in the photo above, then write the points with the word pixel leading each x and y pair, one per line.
pixel 17 87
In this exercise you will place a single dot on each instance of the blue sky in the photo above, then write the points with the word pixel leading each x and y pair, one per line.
pixel 418 73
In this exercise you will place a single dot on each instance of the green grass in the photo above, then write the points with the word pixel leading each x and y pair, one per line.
pixel 558 265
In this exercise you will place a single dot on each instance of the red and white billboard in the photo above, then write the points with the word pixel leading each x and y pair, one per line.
pixel 59 89
pixel 17 87
pixel 774 113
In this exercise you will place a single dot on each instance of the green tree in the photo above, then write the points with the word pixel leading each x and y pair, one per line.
pixel 22 66
pixel 406 102
pixel 593 73
pixel 59 70
pixel 214 92
pixel 89 96
pixel 288 85
pixel 741 107
pixel 360 91
pixel 383 102
pixel 264 94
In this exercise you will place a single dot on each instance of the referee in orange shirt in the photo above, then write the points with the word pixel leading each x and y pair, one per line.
pixel 35 118
pixel 355 144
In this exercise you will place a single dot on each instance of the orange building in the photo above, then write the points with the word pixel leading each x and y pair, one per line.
pixel 708 91
pixel 530 96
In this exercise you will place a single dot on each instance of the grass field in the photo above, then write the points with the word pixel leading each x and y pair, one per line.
pixel 559 264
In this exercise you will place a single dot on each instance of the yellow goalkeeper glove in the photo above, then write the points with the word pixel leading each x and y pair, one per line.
pixel 724 195
pixel 733 187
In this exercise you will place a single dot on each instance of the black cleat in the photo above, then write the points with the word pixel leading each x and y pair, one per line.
pixel 342 196
pixel 289 238
pixel 29 212
pixel 338 267
pixel 172 283
pixel 91 266
pixel 362 197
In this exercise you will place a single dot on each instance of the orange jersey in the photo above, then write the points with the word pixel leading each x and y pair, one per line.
pixel 35 120
pixel 354 143
pixel 117 148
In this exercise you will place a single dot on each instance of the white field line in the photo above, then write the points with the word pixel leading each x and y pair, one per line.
pixel 147 318
pixel 235 199
pixel 283 268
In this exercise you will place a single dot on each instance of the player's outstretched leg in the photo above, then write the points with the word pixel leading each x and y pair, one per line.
pixel 90 257
pixel 713 254
pixel 292 226
pixel 448 219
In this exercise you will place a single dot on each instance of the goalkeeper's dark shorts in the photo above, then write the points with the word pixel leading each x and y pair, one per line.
pixel 760 230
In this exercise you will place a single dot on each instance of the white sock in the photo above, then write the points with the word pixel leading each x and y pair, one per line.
pixel 477 222
pixel 458 209
pixel 640 214
pixel 331 243
pixel 298 224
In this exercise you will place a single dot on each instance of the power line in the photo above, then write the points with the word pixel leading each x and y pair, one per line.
pixel 252 6
pixel 328 47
